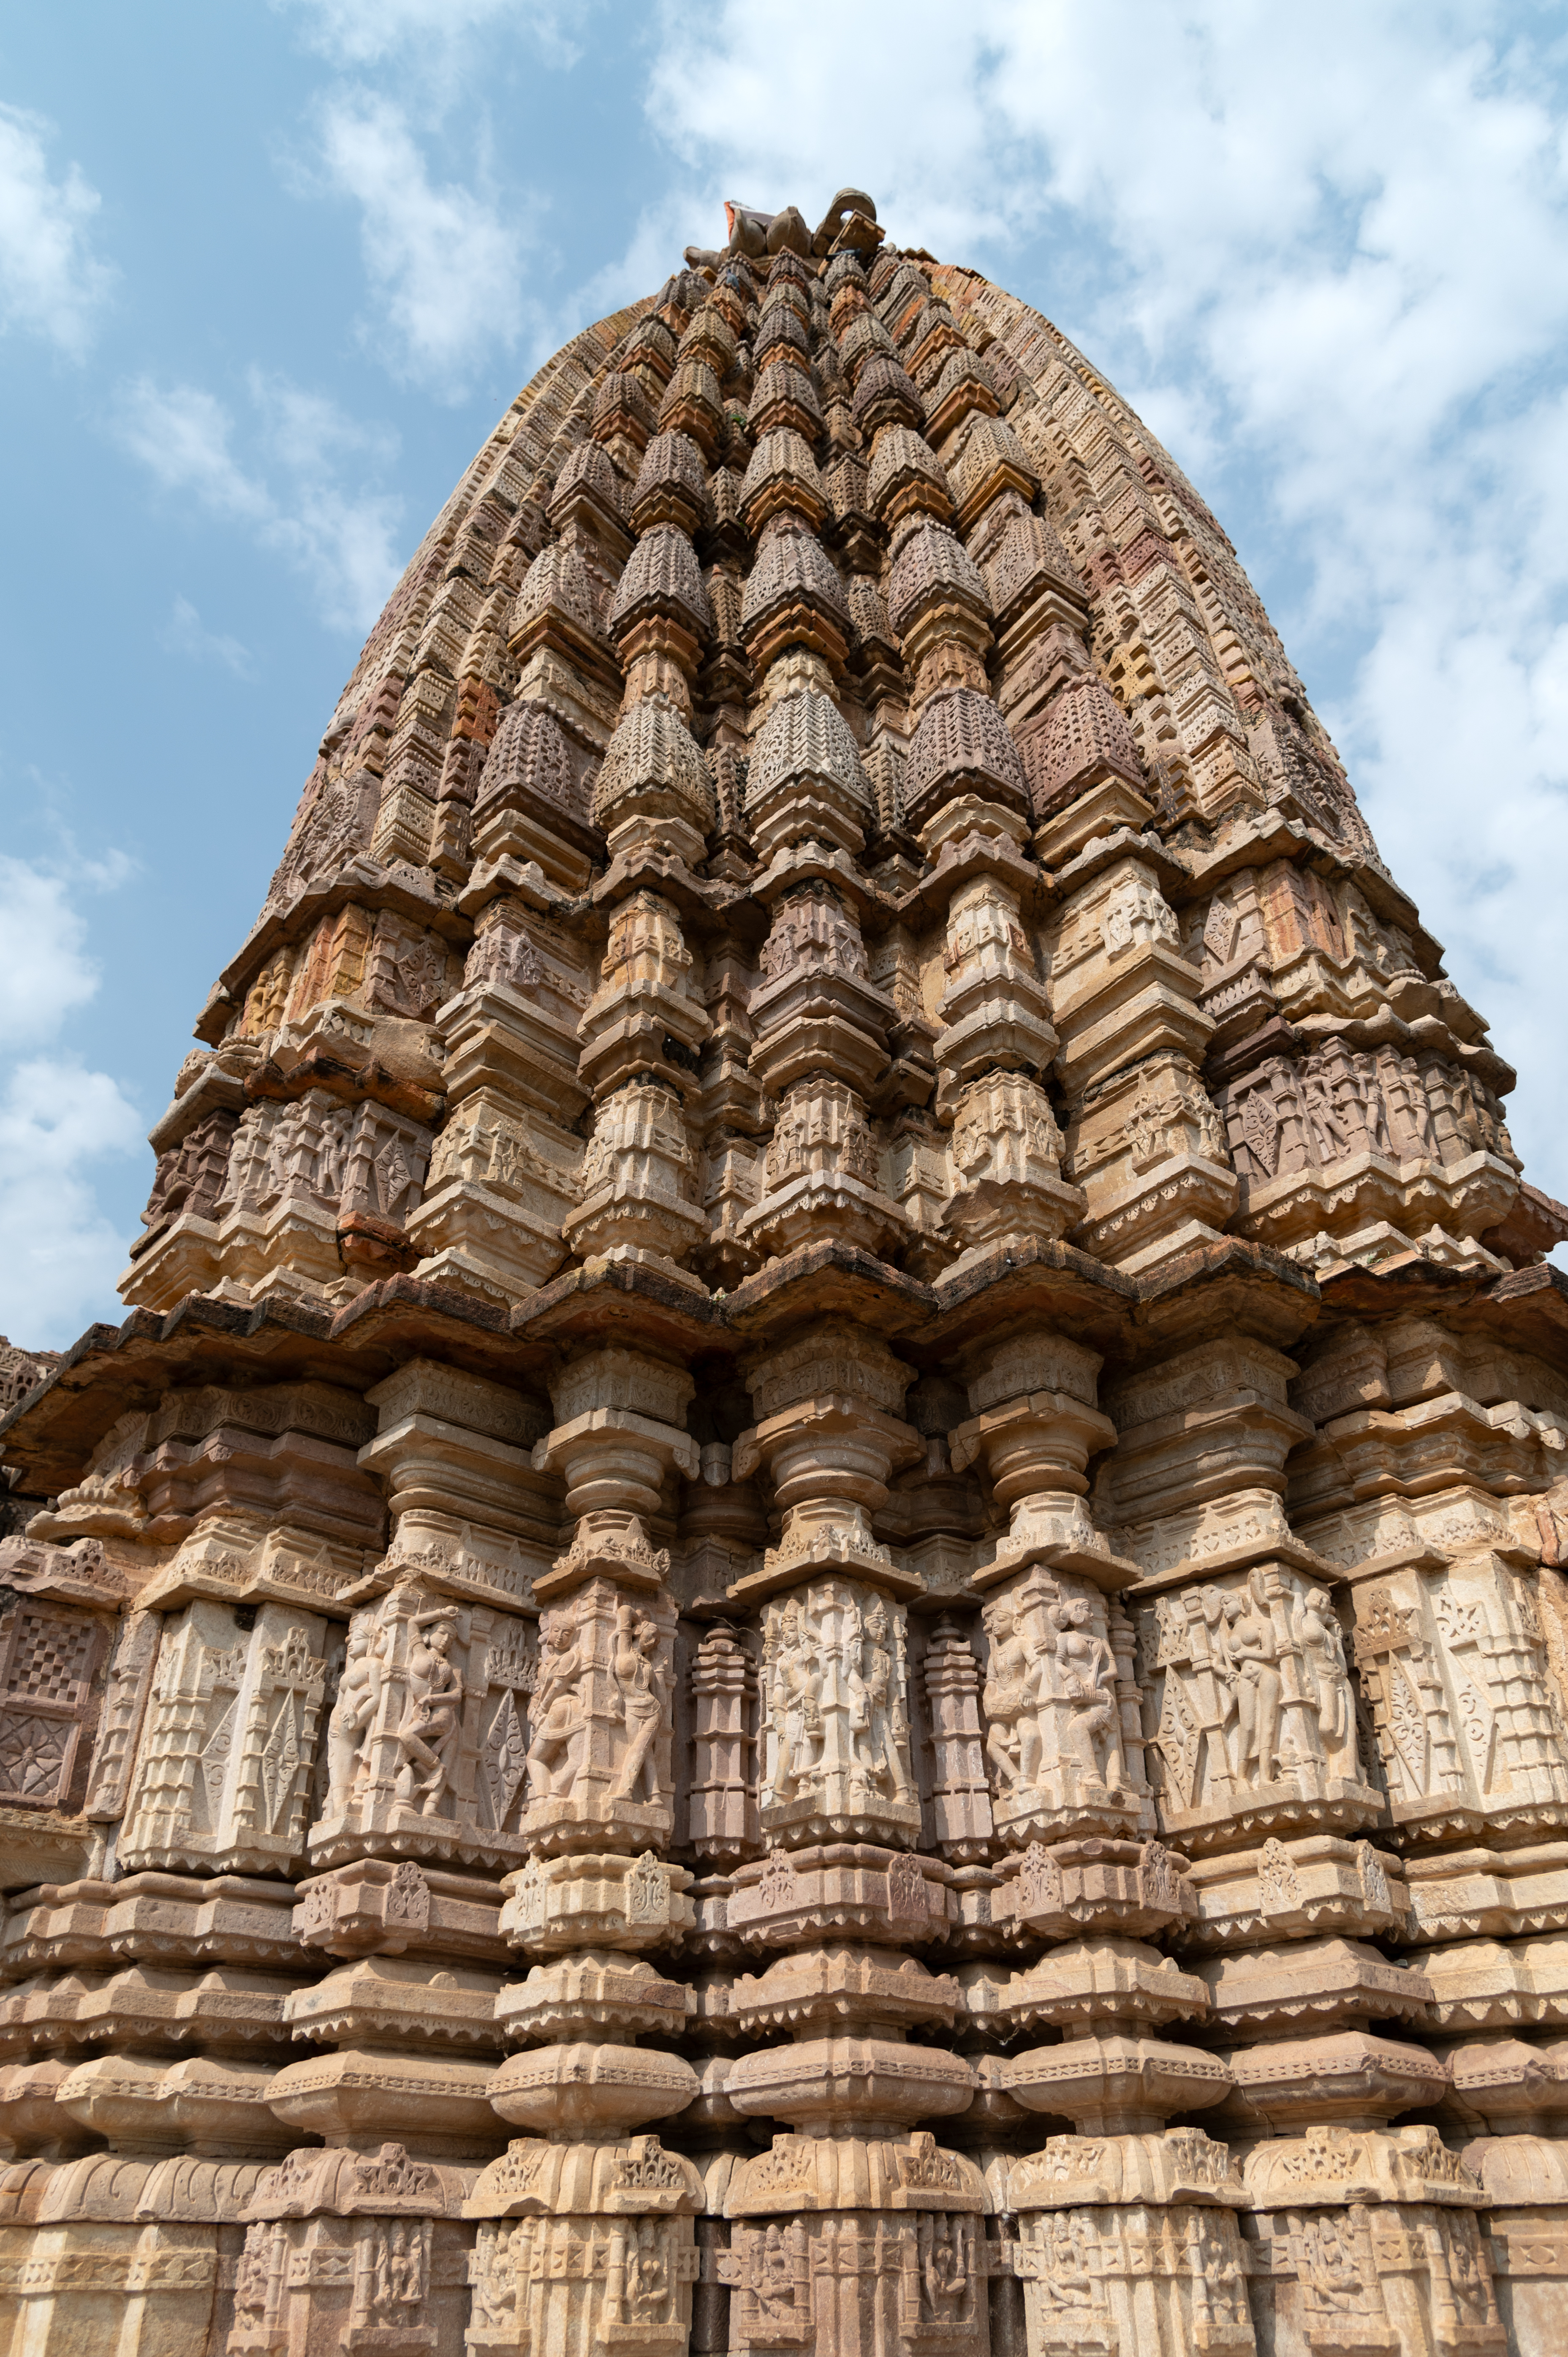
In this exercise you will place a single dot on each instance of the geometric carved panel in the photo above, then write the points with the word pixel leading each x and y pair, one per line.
pixel 48 1656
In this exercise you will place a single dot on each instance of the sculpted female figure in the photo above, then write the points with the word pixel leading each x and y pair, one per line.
pixel 874 1712
pixel 1086 1668
pixel 353 1713
pixel 1318 1632
pixel 943 2268
pixel 773 2283
pixel 557 1715
pixel 647 2283
pixel 1013 1728
pixel 644 1691
pixel 1257 1689
pixel 435 1694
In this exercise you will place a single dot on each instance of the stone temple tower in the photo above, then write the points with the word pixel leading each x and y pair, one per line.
pixel 817 1603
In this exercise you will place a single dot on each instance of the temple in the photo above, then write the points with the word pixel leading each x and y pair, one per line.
pixel 819 1601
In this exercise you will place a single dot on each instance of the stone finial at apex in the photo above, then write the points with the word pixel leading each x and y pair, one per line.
pixel 849 226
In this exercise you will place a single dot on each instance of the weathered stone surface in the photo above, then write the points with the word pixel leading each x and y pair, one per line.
pixel 838 1483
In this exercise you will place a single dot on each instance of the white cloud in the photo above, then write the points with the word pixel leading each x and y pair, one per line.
pixel 444 265
pixel 57 1119
pixel 308 433
pixel 662 228
pixel 45 971
pixel 363 32
pixel 339 535
pixel 1326 252
pixel 62 1255
pixel 50 282
pixel 183 437
pixel 184 633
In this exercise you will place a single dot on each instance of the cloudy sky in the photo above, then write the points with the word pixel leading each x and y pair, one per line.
pixel 269 273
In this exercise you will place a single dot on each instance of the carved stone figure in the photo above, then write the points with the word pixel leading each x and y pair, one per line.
pixel 433 1693
pixel 834 1665
pixel 559 1719
pixel 644 1690
pixel 1055 1706
pixel 1254 1706
pixel 358 1693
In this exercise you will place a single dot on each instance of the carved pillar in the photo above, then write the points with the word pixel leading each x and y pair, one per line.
pixel 423 1788
pixel 587 2233
pixel 829 1435
pixel 1406 2266
pixel 821 1041
pixel 961 1794
pixel 1031 1426
pixel 640 1035
pixel 818 2216
pixel 723 1821
pixel 1123 2218
pixel 353 2250
pixel 503 1172
pixel 1145 1140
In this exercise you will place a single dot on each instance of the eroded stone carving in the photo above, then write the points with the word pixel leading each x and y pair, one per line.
pixel 1249 1703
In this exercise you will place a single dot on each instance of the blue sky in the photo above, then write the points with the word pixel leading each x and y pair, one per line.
pixel 269 273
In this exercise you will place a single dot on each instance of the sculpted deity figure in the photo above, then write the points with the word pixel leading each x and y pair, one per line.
pixel 392 2272
pixel 774 2289
pixel 252 2274
pixel 1065 2279
pixel 353 1713
pixel 647 2281
pixel 558 1720
pixel 1325 1124
pixel 876 1717
pixel 1256 1691
pixel 1013 1738
pixel 495 2291
pixel 1050 1696
pixel 1408 1105
pixel 1086 1678
pixel 334 1157
pixel 1224 2289
pixel 1371 1098
pixel 378 2292
pixel 408 2275
pixel 1317 1633
pixel 836 1673
pixel 946 2278
pixel 1330 2265
pixel 435 1696
pixel 796 1698
pixel 1472 2291
pixel 1248 1641
pixel 645 1693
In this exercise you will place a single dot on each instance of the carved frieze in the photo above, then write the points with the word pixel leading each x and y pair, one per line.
pixel 427 1741
pixel 835 1696
pixel 1249 1708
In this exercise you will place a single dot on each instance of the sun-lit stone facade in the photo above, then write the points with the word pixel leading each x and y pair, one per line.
pixel 819 1600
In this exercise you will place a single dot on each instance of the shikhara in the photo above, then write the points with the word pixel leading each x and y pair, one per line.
pixel 838 1446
